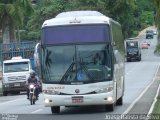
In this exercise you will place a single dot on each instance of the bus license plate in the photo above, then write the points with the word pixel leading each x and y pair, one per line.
pixel 17 84
pixel 77 99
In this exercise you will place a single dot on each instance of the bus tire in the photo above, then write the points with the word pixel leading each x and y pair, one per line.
pixel 55 109
pixel 120 101
pixel 109 107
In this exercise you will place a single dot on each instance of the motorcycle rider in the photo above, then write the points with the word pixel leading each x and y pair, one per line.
pixel 33 80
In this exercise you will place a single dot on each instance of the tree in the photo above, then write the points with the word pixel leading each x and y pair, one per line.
pixel 12 13
pixel 129 13
pixel 44 9
pixel 157 12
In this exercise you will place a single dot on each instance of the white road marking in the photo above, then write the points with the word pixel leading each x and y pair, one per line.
pixel 11 101
pixel 37 111
pixel 134 102
pixel 153 104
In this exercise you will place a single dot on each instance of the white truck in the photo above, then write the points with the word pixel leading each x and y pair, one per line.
pixel 15 73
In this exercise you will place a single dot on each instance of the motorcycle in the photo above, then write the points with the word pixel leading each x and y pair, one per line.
pixel 32 96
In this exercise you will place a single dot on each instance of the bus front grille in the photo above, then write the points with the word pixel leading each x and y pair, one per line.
pixel 93 92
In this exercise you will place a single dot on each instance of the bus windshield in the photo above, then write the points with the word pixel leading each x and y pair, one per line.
pixel 69 64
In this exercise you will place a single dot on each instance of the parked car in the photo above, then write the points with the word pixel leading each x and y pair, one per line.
pixel 144 45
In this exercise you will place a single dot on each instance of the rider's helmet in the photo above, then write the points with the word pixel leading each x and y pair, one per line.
pixel 32 74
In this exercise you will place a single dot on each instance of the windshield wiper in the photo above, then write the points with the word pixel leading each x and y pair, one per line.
pixel 82 67
pixel 67 73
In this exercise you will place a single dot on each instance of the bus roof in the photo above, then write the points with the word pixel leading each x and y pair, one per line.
pixel 78 14
pixel 77 17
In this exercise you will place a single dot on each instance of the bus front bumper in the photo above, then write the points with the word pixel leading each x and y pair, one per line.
pixel 78 100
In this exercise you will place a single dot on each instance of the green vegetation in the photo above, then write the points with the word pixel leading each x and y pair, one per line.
pixel 157 23
pixel 26 19
pixel 12 14
pixel 155 113
pixel 157 50
pixel 157 12
pixel 156 109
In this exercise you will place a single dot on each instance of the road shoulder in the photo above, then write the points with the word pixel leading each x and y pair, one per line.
pixel 143 105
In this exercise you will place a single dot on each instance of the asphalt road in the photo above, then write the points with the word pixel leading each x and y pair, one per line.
pixel 138 76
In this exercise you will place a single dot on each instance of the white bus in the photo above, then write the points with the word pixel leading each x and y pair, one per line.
pixel 82 60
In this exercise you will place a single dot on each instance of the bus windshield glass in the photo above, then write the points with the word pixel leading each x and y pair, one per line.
pixel 16 67
pixel 75 34
pixel 69 64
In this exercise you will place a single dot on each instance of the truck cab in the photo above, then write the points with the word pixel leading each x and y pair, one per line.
pixel 15 74
pixel 133 50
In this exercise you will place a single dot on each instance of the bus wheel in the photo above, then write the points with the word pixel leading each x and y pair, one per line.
pixel 120 101
pixel 110 107
pixel 55 109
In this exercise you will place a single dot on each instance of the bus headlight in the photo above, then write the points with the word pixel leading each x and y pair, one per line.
pixel 46 100
pixel 51 92
pixel 103 90
pixel 110 99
